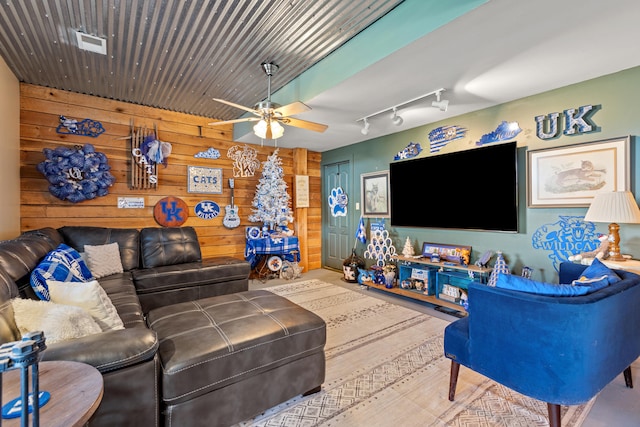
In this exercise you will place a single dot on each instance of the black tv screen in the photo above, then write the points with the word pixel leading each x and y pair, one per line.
pixel 474 189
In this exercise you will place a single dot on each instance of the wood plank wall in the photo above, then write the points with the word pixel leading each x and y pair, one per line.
pixel 40 109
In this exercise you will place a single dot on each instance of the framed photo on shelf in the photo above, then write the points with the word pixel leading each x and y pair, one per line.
pixel 451 253
pixel 374 194
pixel 572 175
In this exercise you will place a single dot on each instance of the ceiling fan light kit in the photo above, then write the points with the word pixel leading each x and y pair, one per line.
pixel 397 120
pixel 269 115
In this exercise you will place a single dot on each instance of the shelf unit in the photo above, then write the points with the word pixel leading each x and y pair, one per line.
pixel 436 275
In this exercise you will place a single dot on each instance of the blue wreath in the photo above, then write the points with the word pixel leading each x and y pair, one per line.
pixel 76 174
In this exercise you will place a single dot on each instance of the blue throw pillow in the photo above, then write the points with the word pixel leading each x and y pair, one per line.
pixel 598 269
pixel 63 264
pixel 522 284
pixel 72 260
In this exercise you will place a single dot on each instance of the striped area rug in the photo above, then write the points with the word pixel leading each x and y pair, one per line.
pixel 385 367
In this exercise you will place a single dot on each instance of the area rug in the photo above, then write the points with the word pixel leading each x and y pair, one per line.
pixel 386 367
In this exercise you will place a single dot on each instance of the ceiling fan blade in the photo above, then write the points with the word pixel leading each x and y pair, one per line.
pixel 304 124
pixel 292 109
pixel 241 107
pixel 226 122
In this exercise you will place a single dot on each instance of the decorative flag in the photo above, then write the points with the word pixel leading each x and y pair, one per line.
pixel 361 232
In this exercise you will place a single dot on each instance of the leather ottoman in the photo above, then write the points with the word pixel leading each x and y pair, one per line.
pixel 228 358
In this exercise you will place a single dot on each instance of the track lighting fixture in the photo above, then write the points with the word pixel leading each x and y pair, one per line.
pixel 441 104
pixel 395 118
pixel 398 120
pixel 365 128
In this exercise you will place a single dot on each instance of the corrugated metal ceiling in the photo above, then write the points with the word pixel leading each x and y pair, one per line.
pixel 177 54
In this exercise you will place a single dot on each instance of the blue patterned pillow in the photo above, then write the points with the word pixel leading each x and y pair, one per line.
pixel 63 264
pixel 598 269
pixel 72 259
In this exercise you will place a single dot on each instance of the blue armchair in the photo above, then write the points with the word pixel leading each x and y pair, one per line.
pixel 558 349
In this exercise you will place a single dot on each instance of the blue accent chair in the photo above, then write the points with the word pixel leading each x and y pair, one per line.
pixel 560 350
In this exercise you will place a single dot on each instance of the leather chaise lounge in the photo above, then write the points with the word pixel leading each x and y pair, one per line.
pixel 197 348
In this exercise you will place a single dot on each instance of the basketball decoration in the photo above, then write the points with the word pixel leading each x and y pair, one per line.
pixel 171 212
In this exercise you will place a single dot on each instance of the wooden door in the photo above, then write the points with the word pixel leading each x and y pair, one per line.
pixel 337 231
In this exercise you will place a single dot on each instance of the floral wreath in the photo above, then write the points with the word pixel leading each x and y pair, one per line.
pixel 76 174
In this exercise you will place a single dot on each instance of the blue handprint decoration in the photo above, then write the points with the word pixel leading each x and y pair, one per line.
pixel 338 202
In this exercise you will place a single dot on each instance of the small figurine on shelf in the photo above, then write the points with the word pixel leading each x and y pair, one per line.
pixel 378 275
pixel 465 255
pixel 407 250
pixel 364 276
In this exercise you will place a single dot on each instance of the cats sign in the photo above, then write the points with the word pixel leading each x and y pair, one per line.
pixel 574 122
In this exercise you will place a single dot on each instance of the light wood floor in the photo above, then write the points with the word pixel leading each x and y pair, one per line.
pixel 616 405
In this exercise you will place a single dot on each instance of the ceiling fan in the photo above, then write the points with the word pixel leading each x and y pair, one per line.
pixel 270 115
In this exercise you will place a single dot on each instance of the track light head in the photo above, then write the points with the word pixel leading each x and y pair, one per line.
pixel 395 118
pixel 365 128
pixel 441 104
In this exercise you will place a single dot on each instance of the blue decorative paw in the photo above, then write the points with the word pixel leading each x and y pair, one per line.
pixel 338 202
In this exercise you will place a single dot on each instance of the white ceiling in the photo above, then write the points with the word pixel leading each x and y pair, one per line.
pixel 500 51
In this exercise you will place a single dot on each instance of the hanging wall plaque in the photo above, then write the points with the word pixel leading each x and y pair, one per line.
pixel 204 180
pixel 245 160
pixel 171 212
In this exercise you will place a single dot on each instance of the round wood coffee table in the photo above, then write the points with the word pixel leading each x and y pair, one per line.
pixel 76 391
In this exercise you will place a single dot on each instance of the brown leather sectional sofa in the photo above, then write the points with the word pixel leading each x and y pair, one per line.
pixel 163 273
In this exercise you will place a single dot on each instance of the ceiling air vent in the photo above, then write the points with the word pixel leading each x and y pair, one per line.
pixel 91 43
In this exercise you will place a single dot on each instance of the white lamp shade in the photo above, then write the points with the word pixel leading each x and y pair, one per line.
pixel 276 130
pixel 260 129
pixel 617 206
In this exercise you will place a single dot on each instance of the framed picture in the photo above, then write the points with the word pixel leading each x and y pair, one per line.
pixel 571 176
pixel 451 253
pixel 204 180
pixel 375 200
pixel 301 190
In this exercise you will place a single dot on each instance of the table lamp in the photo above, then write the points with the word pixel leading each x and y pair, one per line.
pixel 615 207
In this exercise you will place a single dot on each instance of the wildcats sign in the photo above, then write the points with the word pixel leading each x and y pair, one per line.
pixel 207 209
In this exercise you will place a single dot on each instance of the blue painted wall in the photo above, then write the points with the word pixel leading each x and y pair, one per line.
pixel 618 115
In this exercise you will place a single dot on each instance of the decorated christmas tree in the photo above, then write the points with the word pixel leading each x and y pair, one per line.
pixel 271 203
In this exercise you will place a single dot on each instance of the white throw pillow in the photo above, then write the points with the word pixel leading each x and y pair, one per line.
pixel 58 322
pixel 103 260
pixel 91 297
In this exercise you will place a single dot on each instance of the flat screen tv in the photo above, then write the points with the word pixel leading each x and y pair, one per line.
pixel 475 189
